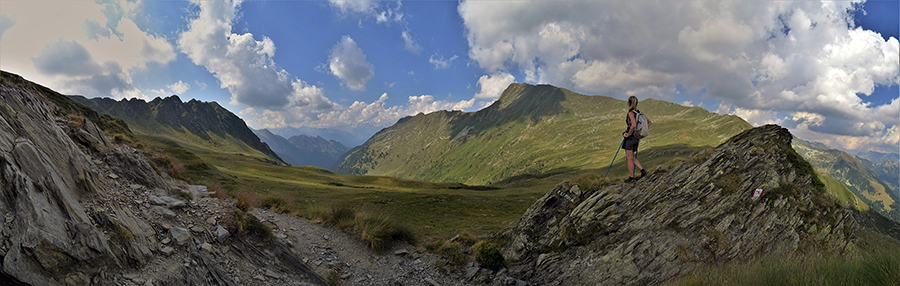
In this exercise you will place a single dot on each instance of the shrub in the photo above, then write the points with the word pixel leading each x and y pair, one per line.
pixel 276 203
pixel 488 255
pixel 250 225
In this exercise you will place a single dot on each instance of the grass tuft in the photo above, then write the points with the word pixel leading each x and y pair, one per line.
pixel 248 200
pixel 250 225
pixel 488 255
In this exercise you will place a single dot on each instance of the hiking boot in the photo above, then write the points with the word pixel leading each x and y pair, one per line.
pixel 643 173
pixel 631 180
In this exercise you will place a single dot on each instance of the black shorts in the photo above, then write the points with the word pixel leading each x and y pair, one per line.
pixel 631 143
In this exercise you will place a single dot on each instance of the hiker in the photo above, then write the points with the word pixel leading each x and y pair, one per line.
pixel 630 144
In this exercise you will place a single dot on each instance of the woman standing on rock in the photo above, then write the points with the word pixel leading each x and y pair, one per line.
pixel 630 144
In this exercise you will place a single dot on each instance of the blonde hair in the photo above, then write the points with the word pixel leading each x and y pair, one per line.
pixel 632 103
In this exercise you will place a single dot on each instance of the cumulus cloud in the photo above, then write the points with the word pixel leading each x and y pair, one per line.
pixel 492 86
pixel 348 63
pixel 78 72
pixel 410 44
pixel 440 63
pixel 6 22
pixel 762 58
pixel 242 64
pixel 88 48
pixel 179 87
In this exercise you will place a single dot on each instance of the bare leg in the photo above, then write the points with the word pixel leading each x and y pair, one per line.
pixel 636 163
pixel 630 156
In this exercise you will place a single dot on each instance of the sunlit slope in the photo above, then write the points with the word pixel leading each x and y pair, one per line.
pixel 531 130
pixel 844 168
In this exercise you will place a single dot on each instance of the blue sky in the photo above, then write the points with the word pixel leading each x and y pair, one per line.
pixel 828 70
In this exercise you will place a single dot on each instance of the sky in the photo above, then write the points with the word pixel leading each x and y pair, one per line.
pixel 829 71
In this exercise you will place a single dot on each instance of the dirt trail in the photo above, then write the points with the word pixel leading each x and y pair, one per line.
pixel 329 251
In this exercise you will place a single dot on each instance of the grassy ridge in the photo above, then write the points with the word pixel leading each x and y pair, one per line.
pixel 530 130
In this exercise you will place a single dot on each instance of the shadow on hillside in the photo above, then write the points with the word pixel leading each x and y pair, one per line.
pixel 530 106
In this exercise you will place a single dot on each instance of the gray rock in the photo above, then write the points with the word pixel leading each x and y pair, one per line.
pixel 431 282
pixel 164 212
pixel 167 201
pixel 207 247
pixel 221 233
pixel 272 274
pixel 167 250
pixel 180 235
pixel 401 252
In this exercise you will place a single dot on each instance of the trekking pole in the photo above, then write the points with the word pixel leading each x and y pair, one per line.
pixel 614 159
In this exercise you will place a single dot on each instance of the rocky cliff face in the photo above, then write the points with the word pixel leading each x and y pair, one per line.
pixel 199 118
pixel 697 212
pixel 78 209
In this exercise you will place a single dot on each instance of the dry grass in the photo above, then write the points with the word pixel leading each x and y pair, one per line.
pixel 248 200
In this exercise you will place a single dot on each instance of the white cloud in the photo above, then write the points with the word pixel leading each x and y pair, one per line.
pixel 179 87
pixel 201 85
pixel 38 40
pixel 358 114
pixel 492 86
pixel 354 6
pixel 440 62
pixel 763 58
pixel 348 63
pixel 244 65
pixel 410 44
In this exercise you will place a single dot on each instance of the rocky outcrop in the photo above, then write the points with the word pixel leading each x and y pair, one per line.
pixel 78 209
pixel 697 212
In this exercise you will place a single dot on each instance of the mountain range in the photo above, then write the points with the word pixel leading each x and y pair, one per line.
pixel 107 215
pixel 856 176
pixel 531 130
pixel 303 150
pixel 885 165
pixel 352 137
pixel 193 124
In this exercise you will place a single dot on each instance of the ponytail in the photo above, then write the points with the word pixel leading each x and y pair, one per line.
pixel 632 103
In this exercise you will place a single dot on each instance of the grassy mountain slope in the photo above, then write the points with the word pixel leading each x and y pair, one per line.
pixel 887 170
pixel 193 125
pixel 844 168
pixel 530 131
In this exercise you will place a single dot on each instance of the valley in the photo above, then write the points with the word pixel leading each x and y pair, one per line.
pixel 469 183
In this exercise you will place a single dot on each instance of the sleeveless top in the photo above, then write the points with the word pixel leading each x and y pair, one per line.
pixel 628 123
